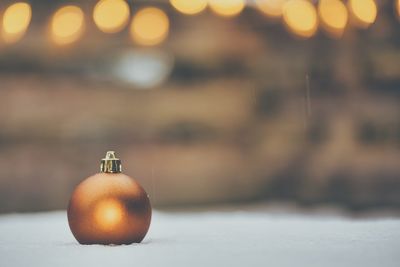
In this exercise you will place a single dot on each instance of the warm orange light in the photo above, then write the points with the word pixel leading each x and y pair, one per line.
pixel 363 12
pixel 149 26
pixel 16 20
pixel 398 7
pixel 109 213
pixel 333 15
pixel 189 7
pixel 67 25
pixel 227 8
pixel 111 16
pixel 271 8
pixel 300 17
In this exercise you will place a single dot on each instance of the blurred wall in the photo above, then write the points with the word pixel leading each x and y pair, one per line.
pixel 233 110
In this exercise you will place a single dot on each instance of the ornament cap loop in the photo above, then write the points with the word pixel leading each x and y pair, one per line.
pixel 110 164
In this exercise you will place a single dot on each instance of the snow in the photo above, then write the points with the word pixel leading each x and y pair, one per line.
pixel 247 238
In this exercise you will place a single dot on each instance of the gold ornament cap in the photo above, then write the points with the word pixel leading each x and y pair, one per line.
pixel 110 164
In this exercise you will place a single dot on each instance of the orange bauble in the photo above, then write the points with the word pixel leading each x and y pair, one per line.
pixel 109 207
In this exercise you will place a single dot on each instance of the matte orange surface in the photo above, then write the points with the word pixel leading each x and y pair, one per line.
pixel 109 208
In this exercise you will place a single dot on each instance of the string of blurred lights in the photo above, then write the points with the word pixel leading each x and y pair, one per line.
pixel 67 25
pixel 227 8
pixel 111 16
pixel 16 20
pixel 149 25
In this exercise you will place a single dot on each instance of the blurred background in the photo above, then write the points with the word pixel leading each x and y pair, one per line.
pixel 205 101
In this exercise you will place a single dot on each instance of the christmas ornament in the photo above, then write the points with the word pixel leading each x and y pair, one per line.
pixel 109 207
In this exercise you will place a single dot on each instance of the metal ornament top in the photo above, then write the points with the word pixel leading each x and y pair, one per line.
pixel 110 164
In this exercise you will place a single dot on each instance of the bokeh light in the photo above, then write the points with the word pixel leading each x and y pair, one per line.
pixel 67 25
pixel 143 68
pixel 333 15
pixel 149 26
pixel 300 17
pixel 111 16
pixel 108 213
pixel 16 20
pixel 398 7
pixel 271 8
pixel 227 8
pixel 363 12
pixel 189 7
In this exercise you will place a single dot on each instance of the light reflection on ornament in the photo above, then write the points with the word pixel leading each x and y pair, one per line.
pixel 67 25
pixel 227 8
pixel 300 17
pixel 109 213
pixel 363 12
pixel 149 26
pixel 16 20
pixel 189 7
pixel 111 16
pixel 334 17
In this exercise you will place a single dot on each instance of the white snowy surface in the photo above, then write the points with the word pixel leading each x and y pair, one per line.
pixel 209 239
